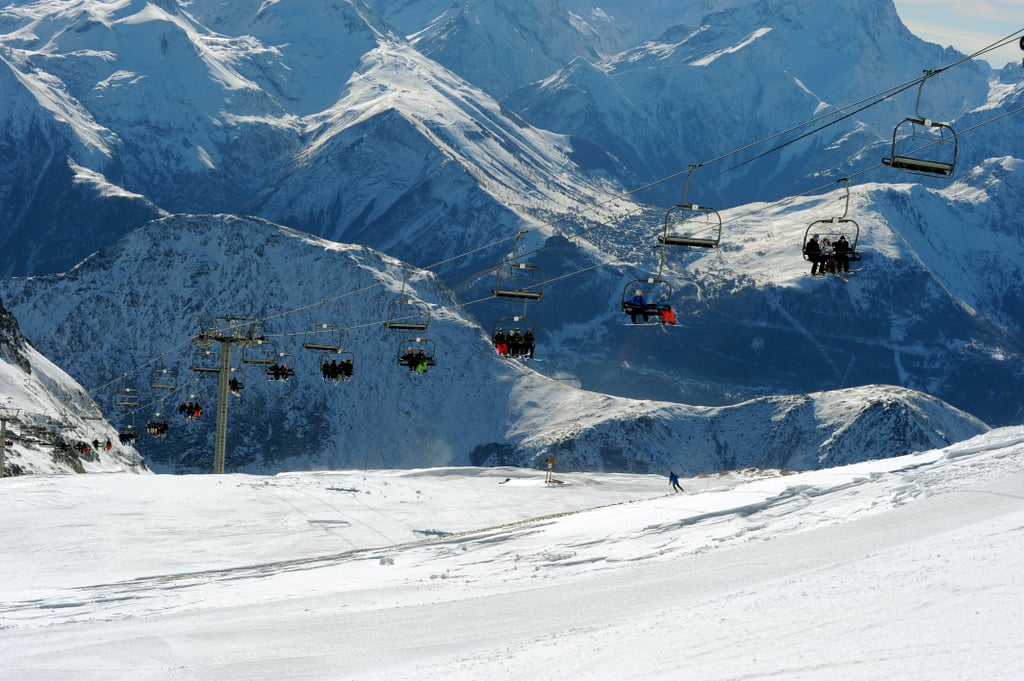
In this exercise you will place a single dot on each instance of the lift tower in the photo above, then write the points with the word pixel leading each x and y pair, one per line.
pixel 226 331
pixel 6 414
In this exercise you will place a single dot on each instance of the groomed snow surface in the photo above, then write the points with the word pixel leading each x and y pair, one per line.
pixel 904 568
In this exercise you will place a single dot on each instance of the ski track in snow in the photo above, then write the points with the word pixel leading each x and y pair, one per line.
pixel 739 512
pixel 898 568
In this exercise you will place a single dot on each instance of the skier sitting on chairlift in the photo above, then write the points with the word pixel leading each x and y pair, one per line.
pixel 500 343
pixel 636 306
pixel 665 310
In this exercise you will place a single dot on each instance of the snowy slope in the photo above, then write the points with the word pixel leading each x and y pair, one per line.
pixel 906 568
pixel 49 421
pixel 476 40
pixel 474 407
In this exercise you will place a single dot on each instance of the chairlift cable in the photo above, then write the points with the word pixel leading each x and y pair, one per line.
pixel 569 275
pixel 867 102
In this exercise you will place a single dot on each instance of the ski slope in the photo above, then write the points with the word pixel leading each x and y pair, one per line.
pixel 903 568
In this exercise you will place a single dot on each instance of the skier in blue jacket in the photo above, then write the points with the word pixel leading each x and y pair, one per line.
pixel 673 480
pixel 636 306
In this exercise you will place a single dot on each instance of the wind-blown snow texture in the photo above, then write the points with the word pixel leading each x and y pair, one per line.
pixel 907 568
pixel 388 124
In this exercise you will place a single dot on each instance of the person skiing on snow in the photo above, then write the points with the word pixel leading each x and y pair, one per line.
pixel 673 480
pixel 550 461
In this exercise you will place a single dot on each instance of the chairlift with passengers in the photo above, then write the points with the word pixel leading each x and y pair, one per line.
pixel 691 226
pixel 336 363
pixel 337 366
pixel 281 369
pixel 923 146
pixel 192 409
pixel 649 289
pixel 515 336
pixel 235 383
pixel 157 425
pixel 835 227
pixel 128 434
pixel 417 354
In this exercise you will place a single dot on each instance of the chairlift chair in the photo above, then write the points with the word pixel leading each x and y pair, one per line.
pixel 163 379
pixel 281 369
pixel 517 279
pixel 127 397
pixel 652 288
pixel 509 326
pixel 406 314
pixel 691 226
pixel 340 370
pixel 64 422
pixel 205 360
pixel 520 281
pixel 416 345
pixel 157 425
pixel 324 338
pixel 259 353
pixel 235 383
pixel 835 227
pixel 128 434
pixel 923 146
pixel 196 411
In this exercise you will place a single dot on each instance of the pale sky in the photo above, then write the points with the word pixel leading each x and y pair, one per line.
pixel 967 26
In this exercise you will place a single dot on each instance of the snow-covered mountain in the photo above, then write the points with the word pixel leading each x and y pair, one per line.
pixel 248 115
pixel 697 93
pixel 323 117
pixel 385 124
pixel 936 306
pixel 133 310
pixel 51 424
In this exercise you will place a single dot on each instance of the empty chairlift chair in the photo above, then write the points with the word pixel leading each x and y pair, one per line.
pixel 923 146
pixel 690 225
pixel 520 281
pixel 127 398
pixel 407 314
pixel 517 279
pixel 693 227
pixel 163 378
